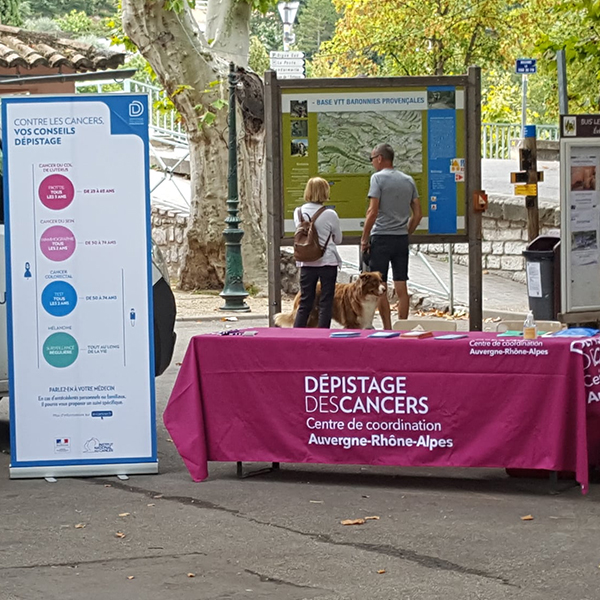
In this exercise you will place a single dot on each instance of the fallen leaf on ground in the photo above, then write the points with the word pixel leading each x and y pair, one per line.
pixel 527 518
pixel 124 514
pixel 130 577
pixel 191 574
pixel 374 518
pixel 316 501
pixel 80 526
pixel 381 571
pixel 353 522
pixel 120 534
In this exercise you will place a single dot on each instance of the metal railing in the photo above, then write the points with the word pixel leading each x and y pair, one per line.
pixel 496 138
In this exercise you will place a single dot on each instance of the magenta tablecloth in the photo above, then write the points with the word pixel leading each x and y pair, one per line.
pixel 300 396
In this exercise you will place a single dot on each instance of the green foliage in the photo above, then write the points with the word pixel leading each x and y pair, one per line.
pixel 502 97
pixel 575 28
pixel 144 73
pixel 259 57
pixel 42 24
pixel 51 8
pixel 315 24
pixel 268 29
pixel 79 24
pixel 10 13
pixel 419 37
pixel 262 6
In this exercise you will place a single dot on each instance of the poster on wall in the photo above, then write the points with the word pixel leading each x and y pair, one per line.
pixel 332 133
pixel 79 285
pixel 580 209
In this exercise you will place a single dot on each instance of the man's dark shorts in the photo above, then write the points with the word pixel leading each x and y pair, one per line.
pixel 386 249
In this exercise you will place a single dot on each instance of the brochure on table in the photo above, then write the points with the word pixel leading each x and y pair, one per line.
pixel 79 285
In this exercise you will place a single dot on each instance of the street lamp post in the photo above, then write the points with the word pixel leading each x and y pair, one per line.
pixel 233 292
pixel 287 12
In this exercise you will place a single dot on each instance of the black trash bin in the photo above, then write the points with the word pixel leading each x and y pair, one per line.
pixel 542 258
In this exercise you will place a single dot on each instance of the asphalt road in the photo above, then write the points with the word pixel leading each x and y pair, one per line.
pixel 455 534
pixel 495 176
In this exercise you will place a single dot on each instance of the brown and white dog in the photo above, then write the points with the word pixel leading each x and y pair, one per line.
pixel 354 304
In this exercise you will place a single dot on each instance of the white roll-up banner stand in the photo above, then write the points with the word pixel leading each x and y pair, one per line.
pixel 79 285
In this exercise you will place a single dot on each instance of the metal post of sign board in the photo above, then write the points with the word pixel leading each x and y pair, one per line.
pixel 523 104
pixel 273 189
pixel 525 66
pixel 563 94
pixel 474 218
pixel 429 108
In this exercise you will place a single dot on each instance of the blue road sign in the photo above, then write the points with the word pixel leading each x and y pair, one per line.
pixel 526 66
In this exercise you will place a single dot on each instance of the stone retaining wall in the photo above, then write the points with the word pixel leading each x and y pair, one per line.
pixel 168 229
pixel 504 228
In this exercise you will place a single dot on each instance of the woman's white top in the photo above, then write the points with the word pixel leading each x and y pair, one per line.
pixel 327 223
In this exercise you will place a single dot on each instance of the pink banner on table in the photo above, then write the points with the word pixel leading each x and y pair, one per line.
pixel 589 349
pixel 299 396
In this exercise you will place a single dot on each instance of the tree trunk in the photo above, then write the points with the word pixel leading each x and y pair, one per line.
pixel 185 65
pixel 228 30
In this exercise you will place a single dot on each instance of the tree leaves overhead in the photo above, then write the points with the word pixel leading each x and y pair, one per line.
pixel 574 27
pixel 419 37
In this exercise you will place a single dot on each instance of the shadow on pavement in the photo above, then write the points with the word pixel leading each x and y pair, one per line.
pixel 482 481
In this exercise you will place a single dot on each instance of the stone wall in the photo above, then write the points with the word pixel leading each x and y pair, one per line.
pixel 504 228
pixel 168 229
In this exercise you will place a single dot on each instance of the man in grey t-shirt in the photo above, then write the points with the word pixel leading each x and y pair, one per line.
pixel 394 213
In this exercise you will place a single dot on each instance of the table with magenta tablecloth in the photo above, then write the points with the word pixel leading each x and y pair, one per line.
pixel 301 396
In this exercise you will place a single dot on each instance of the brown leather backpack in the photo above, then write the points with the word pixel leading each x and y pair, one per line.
pixel 306 239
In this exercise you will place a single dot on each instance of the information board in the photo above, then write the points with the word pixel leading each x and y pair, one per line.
pixel 331 133
pixel 79 285
pixel 580 212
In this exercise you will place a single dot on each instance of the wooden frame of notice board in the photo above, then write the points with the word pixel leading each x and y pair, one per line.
pixel 580 218
pixel 327 127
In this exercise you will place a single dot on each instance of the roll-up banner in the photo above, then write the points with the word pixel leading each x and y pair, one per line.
pixel 79 285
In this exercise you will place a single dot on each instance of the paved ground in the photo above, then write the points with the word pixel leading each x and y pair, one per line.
pixel 501 297
pixel 495 175
pixel 449 533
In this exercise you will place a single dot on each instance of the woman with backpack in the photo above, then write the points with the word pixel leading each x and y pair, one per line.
pixel 317 232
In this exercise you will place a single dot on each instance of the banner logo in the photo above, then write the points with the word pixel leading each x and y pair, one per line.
pixel 136 109
pixel 94 445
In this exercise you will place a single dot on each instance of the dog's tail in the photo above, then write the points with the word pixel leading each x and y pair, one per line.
pixel 284 319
